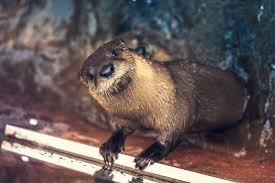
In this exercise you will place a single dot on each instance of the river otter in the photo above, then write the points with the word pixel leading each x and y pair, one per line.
pixel 173 98
pixel 154 45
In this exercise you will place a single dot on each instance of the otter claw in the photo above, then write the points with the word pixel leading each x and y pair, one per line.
pixel 109 150
pixel 154 153
pixel 108 154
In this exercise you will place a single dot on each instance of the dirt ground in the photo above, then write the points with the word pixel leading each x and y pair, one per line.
pixel 18 109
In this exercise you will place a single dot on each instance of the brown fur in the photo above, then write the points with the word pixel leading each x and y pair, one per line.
pixel 172 98
pixel 158 47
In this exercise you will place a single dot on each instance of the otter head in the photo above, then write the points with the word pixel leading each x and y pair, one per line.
pixel 108 70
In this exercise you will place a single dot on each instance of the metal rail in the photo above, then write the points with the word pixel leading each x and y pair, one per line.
pixel 86 159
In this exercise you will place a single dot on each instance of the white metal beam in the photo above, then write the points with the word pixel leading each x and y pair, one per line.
pixel 89 152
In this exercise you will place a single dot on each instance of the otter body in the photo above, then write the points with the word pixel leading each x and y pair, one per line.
pixel 173 98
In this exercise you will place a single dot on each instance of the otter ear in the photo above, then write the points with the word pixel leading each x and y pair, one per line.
pixel 119 41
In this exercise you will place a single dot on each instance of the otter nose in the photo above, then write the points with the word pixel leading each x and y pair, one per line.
pixel 107 70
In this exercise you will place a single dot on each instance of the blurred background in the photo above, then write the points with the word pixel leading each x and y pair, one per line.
pixel 43 43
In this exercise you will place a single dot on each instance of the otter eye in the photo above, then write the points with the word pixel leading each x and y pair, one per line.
pixel 107 70
pixel 115 53
pixel 141 50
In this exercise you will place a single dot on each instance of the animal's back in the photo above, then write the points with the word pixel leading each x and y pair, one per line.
pixel 216 96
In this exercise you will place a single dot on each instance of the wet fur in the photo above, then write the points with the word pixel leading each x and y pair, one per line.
pixel 173 98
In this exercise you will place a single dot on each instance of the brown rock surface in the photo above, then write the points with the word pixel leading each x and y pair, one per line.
pixel 17 110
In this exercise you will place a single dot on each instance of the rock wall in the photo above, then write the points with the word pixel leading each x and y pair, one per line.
pixel 43 43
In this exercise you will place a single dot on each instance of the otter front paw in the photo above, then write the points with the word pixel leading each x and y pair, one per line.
pixel 154 153
pixel 109 151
